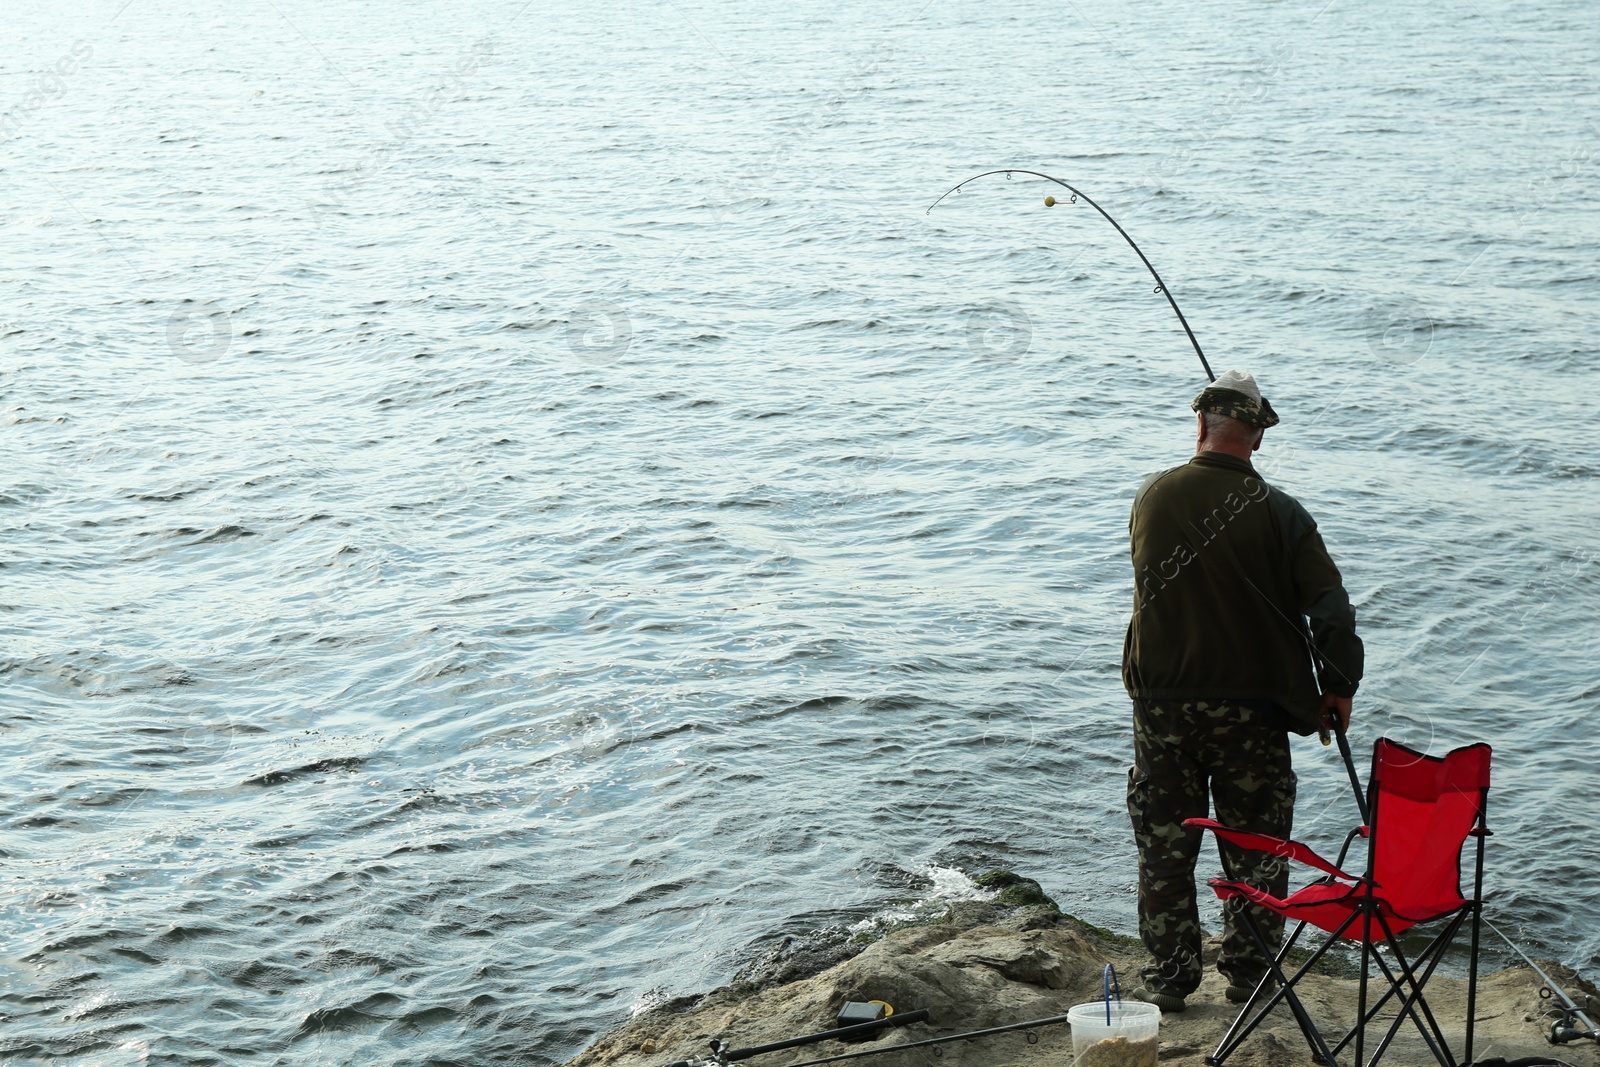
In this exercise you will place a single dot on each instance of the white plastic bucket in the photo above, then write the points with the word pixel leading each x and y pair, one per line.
pixel 1129 1040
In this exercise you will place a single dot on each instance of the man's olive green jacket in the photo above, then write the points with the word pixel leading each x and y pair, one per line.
pixel 1235 596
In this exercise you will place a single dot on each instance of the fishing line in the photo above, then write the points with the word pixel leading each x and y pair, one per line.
pixel 1050 201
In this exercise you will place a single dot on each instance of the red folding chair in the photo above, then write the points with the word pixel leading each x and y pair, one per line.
pixel 1420 810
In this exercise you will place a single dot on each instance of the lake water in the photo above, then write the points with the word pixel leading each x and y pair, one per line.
pixel 509 508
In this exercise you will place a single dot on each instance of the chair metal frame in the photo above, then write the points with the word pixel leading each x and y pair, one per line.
pixel 1367 908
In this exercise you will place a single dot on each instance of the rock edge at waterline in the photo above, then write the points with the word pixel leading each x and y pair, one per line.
pixel 986 966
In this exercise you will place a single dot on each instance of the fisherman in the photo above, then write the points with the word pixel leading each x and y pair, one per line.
pixel 1221 664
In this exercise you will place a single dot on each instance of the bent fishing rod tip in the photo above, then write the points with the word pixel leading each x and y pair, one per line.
pixel 1078 194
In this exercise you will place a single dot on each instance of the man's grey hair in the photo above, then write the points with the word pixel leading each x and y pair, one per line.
pixel 1229 428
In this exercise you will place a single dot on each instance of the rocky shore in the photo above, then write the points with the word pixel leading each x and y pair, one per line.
pixel 1017 958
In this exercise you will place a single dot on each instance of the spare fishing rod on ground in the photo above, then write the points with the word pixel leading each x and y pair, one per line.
pixel 1031 1024
pixel 722 1056
pixel 1562 1030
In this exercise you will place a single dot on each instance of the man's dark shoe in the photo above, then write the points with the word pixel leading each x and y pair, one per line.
pixel 1169 1003
pixel 1238 993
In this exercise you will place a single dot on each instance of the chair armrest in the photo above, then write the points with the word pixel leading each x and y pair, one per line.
pixel 1349 839
pixel 1266 843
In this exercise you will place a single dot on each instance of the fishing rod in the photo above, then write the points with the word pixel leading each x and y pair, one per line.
pixel 1110 987
pixel 1561 1030
pixel 1161 287
pixel 1050 201
pixel 1029 1025
pixel 1350 766
pixel 721 1054
pixel 722 1057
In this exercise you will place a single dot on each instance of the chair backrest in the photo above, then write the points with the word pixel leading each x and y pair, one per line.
pixel 1422 809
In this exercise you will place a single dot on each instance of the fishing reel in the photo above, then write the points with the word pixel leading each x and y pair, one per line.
pixel 1563 1032
pixel 718 1057
pixel 1567 1021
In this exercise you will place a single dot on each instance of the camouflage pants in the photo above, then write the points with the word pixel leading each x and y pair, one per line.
pixel 1182 752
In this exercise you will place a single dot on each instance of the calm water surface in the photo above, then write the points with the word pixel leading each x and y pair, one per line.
pixel 510 508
